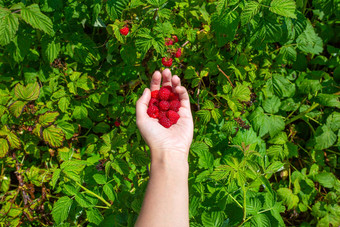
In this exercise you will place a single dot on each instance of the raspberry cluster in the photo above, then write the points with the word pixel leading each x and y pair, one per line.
pixel 164 105
pixel 174 52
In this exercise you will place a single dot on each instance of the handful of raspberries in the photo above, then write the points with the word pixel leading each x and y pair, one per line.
pixel 164 105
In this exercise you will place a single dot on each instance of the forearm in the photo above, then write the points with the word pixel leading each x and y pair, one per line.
pixel 166 199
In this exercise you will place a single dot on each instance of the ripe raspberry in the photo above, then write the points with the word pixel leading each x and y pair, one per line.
pixel 162 114
pixel 164 93
pixel 124 31
pixel 154 94
pixel 174 96
pixel 167 62
pixel 168 42
pixel 178 53
pixel 174 38
pixel 164 105
pixel 168 87
pixel 175 105
pixel 165 122
pixel 153 111
pixel 117 123
pixel 153 102
pixel 173 116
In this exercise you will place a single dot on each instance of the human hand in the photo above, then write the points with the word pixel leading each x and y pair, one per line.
pixel 164 142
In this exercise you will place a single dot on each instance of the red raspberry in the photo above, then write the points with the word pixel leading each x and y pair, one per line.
pixel 168 42
pixel 164 93
pixel 178 53
pixel 165 122
pixel 117 123
pixel 167 61
pixel 162 114
pixel 153 111
pixel 174 38
pixel 175 105
pixel 124 31
pixel 164 105
pixel 174 96
pixel 153 102
pixel 173 116
pixel 154 94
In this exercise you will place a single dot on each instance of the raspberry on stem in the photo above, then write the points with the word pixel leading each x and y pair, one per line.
pixel 124 31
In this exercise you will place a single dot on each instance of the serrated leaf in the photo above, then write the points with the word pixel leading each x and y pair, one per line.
pixel 288 53
pixel 324 137
pixel 48 118
pixel 204 116
pixel 99 178
pixel 109 192
pixel 241 93
pixel 37 19
pixel 288 198
pixel 276 124
pixel 80 112
pixel 326 179
pixel 250 10
pixel 156 3
pixel 63 104
pixel 4 147
pixel 17 108
pixel 212 219
pixel 309 41
pixel 94 216
pixel 9 24
pixel 50 49
pixel 114 8
pixel 328 100
pixel 284 8
pixel 53 136
pixel 55 177
pixel 144 41
pixel 61 209
pixel 29 93
pixel 272 105
pixel 225 25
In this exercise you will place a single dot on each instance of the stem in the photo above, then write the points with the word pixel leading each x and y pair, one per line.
pixel 94 194
pixel 225 75
pixel 302 114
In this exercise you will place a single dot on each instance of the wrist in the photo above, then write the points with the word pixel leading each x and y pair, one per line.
pixel 171 160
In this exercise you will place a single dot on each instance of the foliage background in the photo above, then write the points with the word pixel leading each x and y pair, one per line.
pixel 263 78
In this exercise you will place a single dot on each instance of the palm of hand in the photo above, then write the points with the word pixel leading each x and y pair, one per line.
pixel 178 137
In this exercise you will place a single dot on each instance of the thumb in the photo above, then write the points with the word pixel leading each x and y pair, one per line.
pixel 142 105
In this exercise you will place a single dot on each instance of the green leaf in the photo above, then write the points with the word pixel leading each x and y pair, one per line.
pixel 50 49
pixel 99 178
pixel 288 53
pixel 8 26
pixel 94 216
pixel 80 112
pixel 29 93
pixel 225 25
pixel 17 108
pixel 204 116
pixel 67 128
pixel 276 125
pixel 109 192
pixel 259 121
pixel 4 147
pixel 63 104
pixel 37 19
pixel 324 137
pixel 156 3
pixel 55 177
pixel 288 198
pixel 326 179
pixel 144 41
pixel 114 8
pixel 272 105
pixel 250 10
pixel 212 219
pixel 284 8
pixel 48 118
pixel 333 121
pixel 241 93
pixel 309 41
pixel 53 136
pixel 61 209
pixel 328 100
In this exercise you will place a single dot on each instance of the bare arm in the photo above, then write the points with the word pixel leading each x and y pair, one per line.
pixel 166 201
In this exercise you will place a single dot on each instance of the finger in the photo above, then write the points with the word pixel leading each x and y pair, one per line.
pixel 166 77
pixel 142 106
pixel 183 96
pixel 156 81
pixel 176 81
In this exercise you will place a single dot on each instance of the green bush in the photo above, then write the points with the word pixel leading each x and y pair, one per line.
pixel 263 78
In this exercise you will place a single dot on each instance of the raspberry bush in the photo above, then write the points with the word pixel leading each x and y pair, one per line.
pixel 263 79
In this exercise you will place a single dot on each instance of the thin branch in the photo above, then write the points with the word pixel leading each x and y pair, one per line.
pixel 225 75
